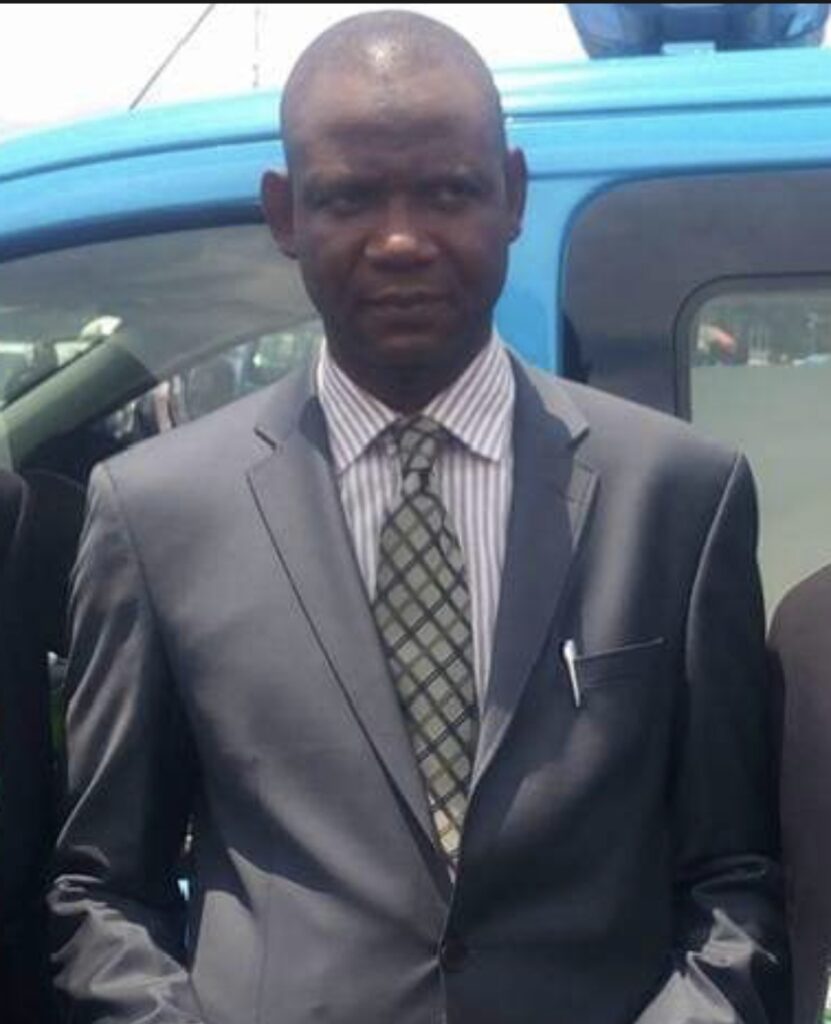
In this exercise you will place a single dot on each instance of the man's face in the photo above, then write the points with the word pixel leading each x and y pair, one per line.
pixel 400 208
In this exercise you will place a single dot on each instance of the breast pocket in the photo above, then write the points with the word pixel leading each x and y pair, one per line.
pixel 618 665
pixel 619 726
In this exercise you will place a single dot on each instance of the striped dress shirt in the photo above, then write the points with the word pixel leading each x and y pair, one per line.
pixel 474 474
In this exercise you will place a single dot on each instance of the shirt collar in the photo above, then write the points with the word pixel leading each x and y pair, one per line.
pixel 476 409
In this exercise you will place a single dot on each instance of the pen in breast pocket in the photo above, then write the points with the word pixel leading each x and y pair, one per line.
pixel 570 658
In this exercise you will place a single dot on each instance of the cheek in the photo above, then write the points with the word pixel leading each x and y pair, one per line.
pixel 482 267
pixel 328 265
pixel 323 276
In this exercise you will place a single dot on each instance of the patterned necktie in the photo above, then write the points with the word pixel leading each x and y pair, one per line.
pixel 422 608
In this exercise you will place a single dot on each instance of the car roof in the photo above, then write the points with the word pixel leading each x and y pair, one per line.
pixel 655 83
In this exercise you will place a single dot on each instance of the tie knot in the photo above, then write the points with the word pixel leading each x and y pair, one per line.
pixel 419 442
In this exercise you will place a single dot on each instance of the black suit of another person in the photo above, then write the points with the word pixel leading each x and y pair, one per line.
pixel 25 769
pixel 800 641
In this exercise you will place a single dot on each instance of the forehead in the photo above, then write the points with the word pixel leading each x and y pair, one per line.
pixel 389 112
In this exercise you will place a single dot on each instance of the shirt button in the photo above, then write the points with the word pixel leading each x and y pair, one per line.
pixel 453 953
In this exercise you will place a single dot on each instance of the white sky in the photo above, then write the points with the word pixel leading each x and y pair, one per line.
pixel 62 61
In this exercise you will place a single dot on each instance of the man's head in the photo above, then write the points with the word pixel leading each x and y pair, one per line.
pixel 400 201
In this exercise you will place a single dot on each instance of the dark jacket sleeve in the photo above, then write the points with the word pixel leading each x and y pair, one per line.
pixel 117 914
pixel 25 767
pixel 731 956
pixel 800 649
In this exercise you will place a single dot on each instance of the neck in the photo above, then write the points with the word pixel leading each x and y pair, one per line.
pixel 408 389
pixel 407 392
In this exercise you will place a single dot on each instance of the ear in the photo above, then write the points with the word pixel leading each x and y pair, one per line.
pixel 516 188
pixel 276 197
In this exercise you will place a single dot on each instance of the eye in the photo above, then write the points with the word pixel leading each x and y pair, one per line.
pixel 452 193
pixel 344 199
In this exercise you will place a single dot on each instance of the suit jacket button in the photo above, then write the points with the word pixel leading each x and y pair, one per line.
pixel 452 953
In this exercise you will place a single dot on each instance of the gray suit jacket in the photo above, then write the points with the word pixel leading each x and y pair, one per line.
pixel 617 862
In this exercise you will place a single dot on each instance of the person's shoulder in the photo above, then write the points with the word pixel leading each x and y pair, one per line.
pixel 807 605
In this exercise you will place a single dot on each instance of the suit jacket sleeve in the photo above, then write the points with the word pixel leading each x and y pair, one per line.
pixel 731 960
pixel 26 797
pixel 118 918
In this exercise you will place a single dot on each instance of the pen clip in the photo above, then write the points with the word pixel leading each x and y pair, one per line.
pixel 570 659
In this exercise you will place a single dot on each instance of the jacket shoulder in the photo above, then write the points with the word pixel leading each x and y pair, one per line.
pixel 227 439
pixel 624 433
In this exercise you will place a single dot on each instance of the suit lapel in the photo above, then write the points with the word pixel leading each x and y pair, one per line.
pixel 297 497
pixel 552 494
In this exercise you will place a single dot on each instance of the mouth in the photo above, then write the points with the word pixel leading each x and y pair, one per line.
pixel 404 301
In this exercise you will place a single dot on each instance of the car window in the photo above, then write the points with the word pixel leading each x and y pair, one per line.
pixel 212 382
pixel 123 338
pixel 760 377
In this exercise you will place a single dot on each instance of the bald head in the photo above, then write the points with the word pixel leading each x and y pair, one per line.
pixel 387 51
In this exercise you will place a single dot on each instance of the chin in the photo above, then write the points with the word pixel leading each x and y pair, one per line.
pixel 411 349
pixel 404 348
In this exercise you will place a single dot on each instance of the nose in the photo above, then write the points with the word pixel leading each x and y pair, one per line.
pixel 400 238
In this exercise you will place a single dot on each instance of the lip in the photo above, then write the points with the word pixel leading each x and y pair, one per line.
pixel 404 300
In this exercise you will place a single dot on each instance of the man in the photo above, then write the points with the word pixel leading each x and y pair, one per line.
pixel 25 767
pixel 800 644
pixel 457 669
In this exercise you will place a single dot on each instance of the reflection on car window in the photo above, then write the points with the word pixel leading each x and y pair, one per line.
pixel 791 327
pixel 122 339
pixel 761 379
pixel 24 364
pixel 213 382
